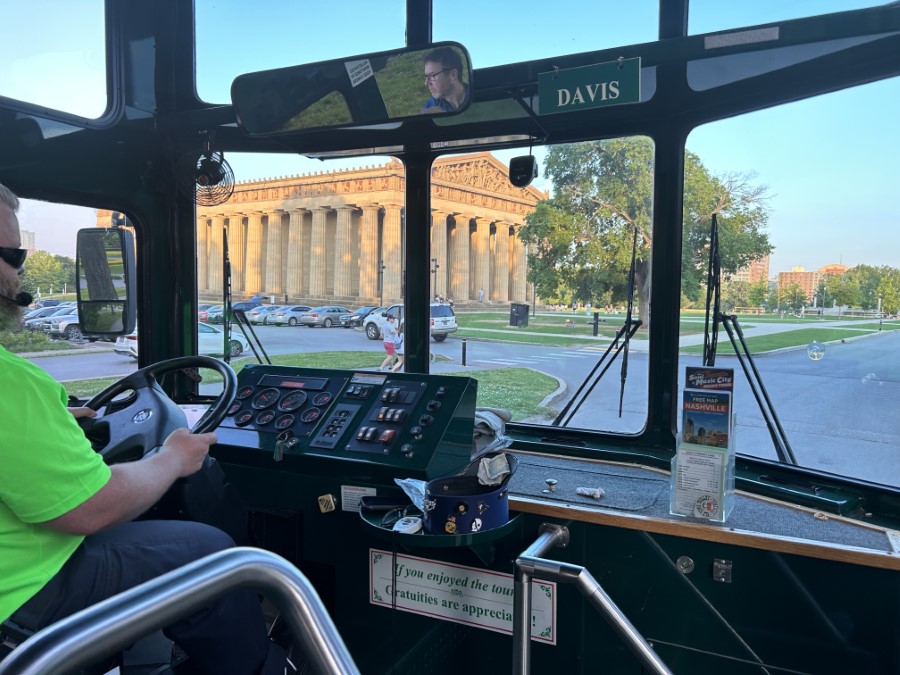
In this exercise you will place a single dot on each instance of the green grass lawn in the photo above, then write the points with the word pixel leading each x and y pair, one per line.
pixel 793 338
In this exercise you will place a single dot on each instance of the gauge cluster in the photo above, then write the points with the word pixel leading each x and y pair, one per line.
pixel 422 423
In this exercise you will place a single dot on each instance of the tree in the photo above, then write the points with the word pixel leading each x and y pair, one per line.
pixel 793 296
pixel 581 239
pixel 735 294
pixel 43 271
pixel 846 291
pixel 758 293
pixel 68 266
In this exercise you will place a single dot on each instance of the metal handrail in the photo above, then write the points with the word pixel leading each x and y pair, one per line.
pixel 113 624
pixel 529 566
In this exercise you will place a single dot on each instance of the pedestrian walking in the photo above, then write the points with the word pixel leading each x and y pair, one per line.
pixel 389 337
pixel 399 349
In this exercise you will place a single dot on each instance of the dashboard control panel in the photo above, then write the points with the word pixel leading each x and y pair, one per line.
pixel 307 416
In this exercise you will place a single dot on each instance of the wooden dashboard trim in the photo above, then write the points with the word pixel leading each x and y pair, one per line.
pixel 888 559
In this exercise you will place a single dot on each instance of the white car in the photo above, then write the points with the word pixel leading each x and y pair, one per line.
pixel 443 321
pixel 209 342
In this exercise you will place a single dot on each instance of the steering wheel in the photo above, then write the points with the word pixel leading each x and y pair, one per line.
pixel 140 423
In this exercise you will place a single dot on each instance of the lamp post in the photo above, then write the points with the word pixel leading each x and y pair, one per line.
pixel 434 269
pixel 880 315
pixel 381 268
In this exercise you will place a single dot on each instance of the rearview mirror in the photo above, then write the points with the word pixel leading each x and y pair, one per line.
pixel 366 89
pixel 105 281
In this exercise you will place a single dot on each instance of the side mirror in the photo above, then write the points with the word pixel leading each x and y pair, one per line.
pixel 358 90
pixel 105 281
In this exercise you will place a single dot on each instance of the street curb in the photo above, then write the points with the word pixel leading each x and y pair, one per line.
pixel 554 396
pixel 64 352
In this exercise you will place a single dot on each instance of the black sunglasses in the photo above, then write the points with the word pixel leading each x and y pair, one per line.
pixel 13 256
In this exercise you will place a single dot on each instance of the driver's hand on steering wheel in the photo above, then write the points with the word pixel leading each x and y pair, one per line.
pixel 190 448
pixel 83 411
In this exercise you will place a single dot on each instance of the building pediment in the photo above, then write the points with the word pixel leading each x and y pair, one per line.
pixel 483 172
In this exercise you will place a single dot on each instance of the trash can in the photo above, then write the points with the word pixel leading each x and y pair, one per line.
pixel 518 314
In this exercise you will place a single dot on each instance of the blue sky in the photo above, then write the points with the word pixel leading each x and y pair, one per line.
pixel 830 163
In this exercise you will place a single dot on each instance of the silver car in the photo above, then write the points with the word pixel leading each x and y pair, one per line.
pixel 288 315
pixel 326 315
pixel 262 314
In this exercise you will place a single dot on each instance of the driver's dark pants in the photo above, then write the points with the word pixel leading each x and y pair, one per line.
pixel 229 637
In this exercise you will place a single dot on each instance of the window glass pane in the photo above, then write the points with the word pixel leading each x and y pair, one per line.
pixel 545 262
pixel 819 312
pixel 707 16
pixel 318 238
pixel 531 30
pixel 233 39
pixel 55 59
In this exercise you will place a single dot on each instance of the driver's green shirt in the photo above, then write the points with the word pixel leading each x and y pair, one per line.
pixel 47 467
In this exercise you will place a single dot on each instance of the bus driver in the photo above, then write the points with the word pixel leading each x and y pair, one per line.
pixel 66 536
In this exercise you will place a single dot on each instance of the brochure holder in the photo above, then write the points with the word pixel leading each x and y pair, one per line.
pixel 702 482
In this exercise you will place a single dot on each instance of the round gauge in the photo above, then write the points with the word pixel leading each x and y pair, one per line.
pixel 265 398
pixel 310 415
pixel 292 401
pixel 322 399
pixel 265 417
pixel 234 408
pixel 284 422
pixel 243 418
pixel 244 392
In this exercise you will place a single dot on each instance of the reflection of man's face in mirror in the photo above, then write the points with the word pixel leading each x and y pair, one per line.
pixel 440 81
pixel 442 74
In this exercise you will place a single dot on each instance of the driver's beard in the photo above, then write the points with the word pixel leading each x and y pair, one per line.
pixel 10 315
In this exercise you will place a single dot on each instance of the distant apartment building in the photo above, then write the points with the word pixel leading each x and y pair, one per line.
pixel 809 281
pixel 755 271
pixel 28 241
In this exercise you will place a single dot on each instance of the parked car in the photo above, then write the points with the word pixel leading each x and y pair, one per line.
pixel 210 341
pixel 33 318
pixel 443 321
pixel 215 314
pixel 356 317
pixel 326 315
pixel 47 303
pixel 202 313
pixel 246 305
pixel 67 326
pixel 289 315
pixel 261 314
pixel 43 324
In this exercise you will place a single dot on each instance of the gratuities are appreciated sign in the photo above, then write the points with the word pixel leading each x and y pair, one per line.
pixel 467 595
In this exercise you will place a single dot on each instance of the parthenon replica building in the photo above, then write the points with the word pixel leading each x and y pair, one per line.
pixel 324 238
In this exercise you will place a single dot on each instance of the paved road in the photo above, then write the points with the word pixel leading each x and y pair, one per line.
pixel 839 413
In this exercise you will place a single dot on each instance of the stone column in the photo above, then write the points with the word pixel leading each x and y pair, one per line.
pixel 368 252
pixel 501 262
pixel 216 249
pixel 203 232
pixel 459 266
pixel 274 284
pixel 343 260
pixel 391 253
pixel 518 268
pixel 236 248
pixel 253 282
pixel 317 262
pixel 439 251
pixel 481 258
pixel 295 250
